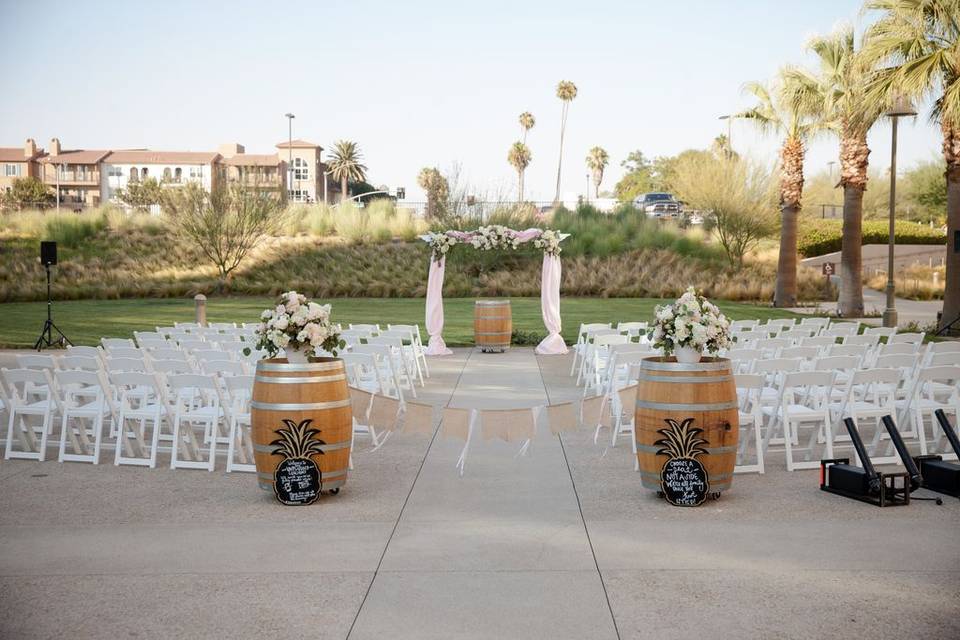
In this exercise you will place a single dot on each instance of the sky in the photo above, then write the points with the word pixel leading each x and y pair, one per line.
pixel 416 83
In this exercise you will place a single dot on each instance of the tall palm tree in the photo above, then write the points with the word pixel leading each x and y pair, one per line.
pixel 519 158
pixel 784 110
pixel 566 91
pixel 916 42
pixel 839 89
pixel 597 161
pixel 526 123
pixel 345 165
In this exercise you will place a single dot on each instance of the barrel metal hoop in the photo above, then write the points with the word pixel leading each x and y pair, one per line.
pixel 304 406
pixel 333 446
pixel 311 367
pixel 649 448
pixel 657 364
pixel 296 380
pixel 685 379
pixel 323 474
pixel 686 406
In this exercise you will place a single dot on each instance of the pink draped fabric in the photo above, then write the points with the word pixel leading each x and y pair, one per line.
pixel 528 235
pixel 434 320
pixel 553 344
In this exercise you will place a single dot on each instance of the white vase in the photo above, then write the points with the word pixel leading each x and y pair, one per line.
pixel 297 356
pixel 687 355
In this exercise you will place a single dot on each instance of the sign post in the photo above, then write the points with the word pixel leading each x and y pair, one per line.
pixel 828 270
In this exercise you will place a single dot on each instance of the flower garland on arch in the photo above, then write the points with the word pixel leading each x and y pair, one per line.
pixel 494 236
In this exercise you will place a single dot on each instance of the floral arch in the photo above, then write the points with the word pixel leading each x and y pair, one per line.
pixel 486 239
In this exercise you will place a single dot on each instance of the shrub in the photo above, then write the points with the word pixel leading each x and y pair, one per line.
pixel 818 237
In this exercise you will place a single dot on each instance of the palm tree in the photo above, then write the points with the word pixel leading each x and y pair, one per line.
pixel 916 41
pixel 597 161
pixel 345 165
pixel 519 158
pixel 526 123
pixel 839 90
pixel 566 91
pixel 785 110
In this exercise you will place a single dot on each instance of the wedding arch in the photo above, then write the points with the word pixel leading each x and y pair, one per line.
pixel 486 239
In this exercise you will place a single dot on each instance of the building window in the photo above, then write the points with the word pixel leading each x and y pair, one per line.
pixel 143 173
pixel 300 169
pixel 177 174
pixel 114 172
pixel 134 176
pixel 167 174
pixel 11 170
pixel 196 172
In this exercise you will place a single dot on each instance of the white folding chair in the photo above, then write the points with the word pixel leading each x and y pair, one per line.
pixel 223 368
pixel 79 363
pixel 906 338
pixel 371 329
pixel 818 323
pixel 743 325
pixel 872 393
pixel 882 332
pixel 240 452
pixel 86 352
pixel 124 352
pixel 633 329
pixel 36 362
pixel 749 386
pixel 222 326
pixel 408 347
pixel 597 363
pixel 804 401
pixel 933 388
pixel 770 347
pixel 125 364
pixel 142 410
pixel 583 335
pixel 778 325
pixel 741 360
pixel 31 394
pixel 414 331
pixel 797 334
pixel 398 359
pixel 84 398
pixel 939 348
pixel 823 343
pixel 117 343
pixel 808 355
pixel 387 376
pixel 196 403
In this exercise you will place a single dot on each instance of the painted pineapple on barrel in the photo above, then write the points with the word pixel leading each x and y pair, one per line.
pixel 683 479
pixel 297 477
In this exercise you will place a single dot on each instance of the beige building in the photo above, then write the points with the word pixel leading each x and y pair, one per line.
pixel 305 173
pixel 264 171
pixel 75 173
pixel 19 162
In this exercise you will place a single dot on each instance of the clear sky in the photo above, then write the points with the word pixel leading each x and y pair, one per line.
pixel 414 83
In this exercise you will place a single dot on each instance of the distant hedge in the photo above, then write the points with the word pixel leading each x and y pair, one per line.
pixel 818 237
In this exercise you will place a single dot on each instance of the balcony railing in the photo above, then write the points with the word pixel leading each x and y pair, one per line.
pixel 73 177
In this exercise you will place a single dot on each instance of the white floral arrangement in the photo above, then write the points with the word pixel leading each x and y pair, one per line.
pixel 549 242
pixel 299 324
pixel 494 236
pixel 440 245
pixel 691 321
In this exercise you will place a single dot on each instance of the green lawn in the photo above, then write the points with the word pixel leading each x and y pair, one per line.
pixel 86 321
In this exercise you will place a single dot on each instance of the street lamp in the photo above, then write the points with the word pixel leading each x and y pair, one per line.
pixel 729 119
pixel 588 189
pixel 901 107
pixel 325 174
pixel 289 117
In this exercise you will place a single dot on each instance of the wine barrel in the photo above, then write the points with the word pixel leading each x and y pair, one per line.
pixel 284 396
pixel 672 391
pixel 492 325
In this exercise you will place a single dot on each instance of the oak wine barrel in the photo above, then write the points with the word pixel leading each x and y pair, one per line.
pixel 492 325
pixel 285 397
pixel 669 394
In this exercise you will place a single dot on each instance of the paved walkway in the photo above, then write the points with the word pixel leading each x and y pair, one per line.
pixel 909 312
pixel 561 544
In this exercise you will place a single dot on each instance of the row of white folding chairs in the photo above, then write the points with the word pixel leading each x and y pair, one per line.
pixel 143 409
pixel 594 336
pixel 935 353
pixel 411 343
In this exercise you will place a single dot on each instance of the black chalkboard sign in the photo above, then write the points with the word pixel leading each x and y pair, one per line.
pixel 296 480
pixel 683 479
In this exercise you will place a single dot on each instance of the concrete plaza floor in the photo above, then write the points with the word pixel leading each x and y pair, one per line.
pixel 563 543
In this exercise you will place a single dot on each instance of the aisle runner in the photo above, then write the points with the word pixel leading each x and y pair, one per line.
pixel 383 416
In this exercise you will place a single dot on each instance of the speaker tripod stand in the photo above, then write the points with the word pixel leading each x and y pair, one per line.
pixel 50 330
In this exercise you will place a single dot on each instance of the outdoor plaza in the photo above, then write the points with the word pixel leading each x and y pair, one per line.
pixel 562 542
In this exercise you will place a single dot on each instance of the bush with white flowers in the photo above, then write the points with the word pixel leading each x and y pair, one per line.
pixel 691 321
pixel 494 236
pixel 298 324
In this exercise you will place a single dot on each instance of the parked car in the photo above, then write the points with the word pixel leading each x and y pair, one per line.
pixel 658 205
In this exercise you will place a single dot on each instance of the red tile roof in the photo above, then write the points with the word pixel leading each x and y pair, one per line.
pixel 298 144
pixel 77 156
pixel 146 156
pixel 15 154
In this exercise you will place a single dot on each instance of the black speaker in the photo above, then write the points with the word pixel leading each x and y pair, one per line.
pixel 48 252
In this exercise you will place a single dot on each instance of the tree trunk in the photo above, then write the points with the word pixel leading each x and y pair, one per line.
pixel 563 127
pixel 520 192
pixel 951 294
pixel 343 189
pixel 850 304
pixel 791 190
pixel 785 294
pixel 854 154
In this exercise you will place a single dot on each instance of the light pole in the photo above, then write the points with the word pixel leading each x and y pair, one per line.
pixel 588 189
pixel 901 107
pixel 729 119
pixel 289 117
pixel 325 174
